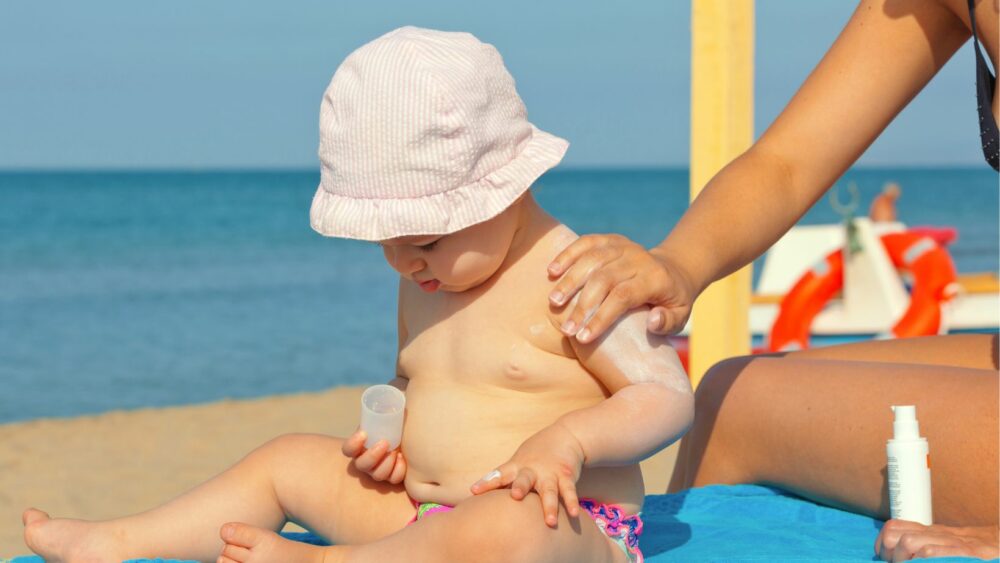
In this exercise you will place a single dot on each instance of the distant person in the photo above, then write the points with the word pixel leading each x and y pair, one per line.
pixel 426 149
pixel 760 419
pixel 883 208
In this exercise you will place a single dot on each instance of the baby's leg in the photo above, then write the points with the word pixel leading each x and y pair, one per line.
pixel 819 428
pixel 301 478
pixel 486 528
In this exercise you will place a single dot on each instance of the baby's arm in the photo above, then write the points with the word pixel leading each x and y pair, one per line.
pixel 651 405
pixel 378 462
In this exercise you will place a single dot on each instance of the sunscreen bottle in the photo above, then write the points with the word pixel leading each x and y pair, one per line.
pixel 909 469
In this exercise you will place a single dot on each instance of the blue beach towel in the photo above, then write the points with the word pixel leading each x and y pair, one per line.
pixel 737 523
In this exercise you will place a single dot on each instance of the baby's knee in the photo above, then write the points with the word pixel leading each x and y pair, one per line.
pixel 296 446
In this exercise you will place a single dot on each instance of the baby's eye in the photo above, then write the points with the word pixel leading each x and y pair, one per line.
pixel 429 246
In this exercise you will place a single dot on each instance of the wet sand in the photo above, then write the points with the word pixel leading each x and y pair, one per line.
pixel 122 462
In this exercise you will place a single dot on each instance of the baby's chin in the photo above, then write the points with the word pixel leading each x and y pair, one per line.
pixel 460 286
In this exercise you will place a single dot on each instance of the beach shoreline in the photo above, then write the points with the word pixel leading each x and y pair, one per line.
pixel 122 462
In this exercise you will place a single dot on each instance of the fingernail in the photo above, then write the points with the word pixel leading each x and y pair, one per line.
pixel 556 297
pixel 554 268
pixel 584 335
pixel 655 320
pixel 227 532
pixel 568 327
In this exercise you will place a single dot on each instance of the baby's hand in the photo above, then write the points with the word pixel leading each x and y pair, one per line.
pixel 548 462
pixel 378 462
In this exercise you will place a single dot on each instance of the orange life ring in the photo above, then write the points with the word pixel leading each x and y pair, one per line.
pixel 934 282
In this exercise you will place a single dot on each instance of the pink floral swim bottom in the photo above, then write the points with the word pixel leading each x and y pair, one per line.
pixel 620 528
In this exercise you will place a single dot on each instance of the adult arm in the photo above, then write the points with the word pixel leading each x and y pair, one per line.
pixel 884 56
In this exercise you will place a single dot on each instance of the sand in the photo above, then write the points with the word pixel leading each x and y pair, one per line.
pixel 122 462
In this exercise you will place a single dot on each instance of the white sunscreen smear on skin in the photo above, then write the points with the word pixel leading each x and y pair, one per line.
pixel 642 357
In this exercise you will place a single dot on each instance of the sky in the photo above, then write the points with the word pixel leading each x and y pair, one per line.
pixel 237 84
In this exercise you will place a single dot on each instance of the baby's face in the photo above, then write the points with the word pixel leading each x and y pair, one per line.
pixel 455 262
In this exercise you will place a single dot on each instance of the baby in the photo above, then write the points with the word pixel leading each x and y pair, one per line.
pixel 427 150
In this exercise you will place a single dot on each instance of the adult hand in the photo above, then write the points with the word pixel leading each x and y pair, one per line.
pixel 378 462
pixel 613 275
pixel 901 540
pixel 549 462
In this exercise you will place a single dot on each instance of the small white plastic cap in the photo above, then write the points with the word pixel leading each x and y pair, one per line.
pixel 905 425
pixel 382 412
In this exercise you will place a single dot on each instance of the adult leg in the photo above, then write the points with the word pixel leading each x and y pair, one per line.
pixel 300 478
pixel 486 528
pixel 819 428
pixel 976 351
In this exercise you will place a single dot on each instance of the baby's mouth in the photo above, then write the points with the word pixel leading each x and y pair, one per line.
pixel 430 286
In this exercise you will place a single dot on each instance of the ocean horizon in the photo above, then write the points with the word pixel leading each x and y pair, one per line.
pixel 124 289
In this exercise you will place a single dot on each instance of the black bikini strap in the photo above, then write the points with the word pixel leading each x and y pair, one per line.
pixel 985 88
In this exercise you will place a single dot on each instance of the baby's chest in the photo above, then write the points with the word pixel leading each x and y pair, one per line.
pixel 508 352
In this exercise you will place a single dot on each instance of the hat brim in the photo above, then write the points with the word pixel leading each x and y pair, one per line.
pixel 335 215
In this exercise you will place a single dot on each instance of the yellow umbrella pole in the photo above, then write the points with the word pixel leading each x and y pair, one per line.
pixel 721 129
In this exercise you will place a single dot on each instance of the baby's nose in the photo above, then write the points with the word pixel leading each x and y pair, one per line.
pixel 410 264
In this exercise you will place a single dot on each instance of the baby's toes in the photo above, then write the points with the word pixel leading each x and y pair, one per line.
pixel 244 537
pixel 232 553
pixel 32 515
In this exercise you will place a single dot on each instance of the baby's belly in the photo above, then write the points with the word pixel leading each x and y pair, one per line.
pixel 456 434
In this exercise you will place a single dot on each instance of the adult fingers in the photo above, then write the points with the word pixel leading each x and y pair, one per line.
pixel 399 470
pixel 548 490
pixel 354 444
pixel 622 297
pixel 910 543
pixel 581 275
pixel 370 458
pixel 934 550
pixel 889 536
pixel 571 253
pixel 674 320
pixel 568 491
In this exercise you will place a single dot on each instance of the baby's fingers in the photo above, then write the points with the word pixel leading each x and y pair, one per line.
pixel 399 470
pixel 385 467
pixel 496 479
pixel 523 483
pixel 568 491
pixel 549 492
pixel 371 458
pixel 354 444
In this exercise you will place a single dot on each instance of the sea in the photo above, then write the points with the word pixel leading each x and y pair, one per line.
pixel 129 289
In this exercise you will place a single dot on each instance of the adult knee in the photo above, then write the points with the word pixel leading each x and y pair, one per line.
pixel 716 383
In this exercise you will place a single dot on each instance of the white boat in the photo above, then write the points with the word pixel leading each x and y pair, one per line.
pixel 874 295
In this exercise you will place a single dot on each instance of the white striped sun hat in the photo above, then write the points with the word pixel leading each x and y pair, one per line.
pixel 422 132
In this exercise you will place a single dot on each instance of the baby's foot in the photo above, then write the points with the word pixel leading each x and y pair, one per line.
pixel 245 543
pixel 68 541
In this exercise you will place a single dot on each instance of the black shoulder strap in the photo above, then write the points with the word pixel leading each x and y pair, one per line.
pixel 985 87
